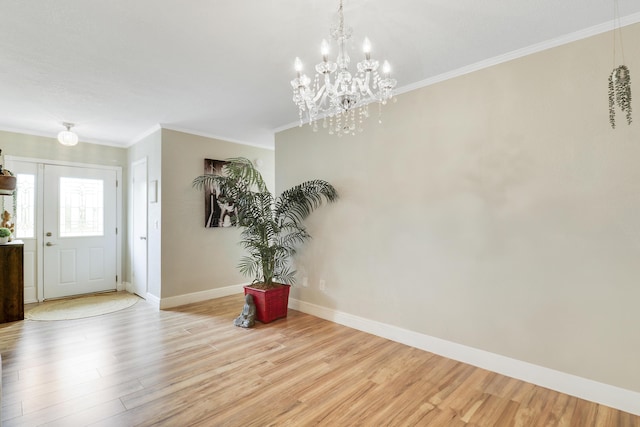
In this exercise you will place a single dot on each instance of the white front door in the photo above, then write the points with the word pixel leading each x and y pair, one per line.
pixel 79 231
pixel 139 214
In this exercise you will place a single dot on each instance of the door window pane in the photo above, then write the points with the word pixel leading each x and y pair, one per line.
pixel 81 207
pixel 25 227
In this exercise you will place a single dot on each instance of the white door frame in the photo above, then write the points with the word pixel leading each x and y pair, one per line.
pixel 40 212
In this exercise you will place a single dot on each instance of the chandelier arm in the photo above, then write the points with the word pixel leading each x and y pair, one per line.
pixel 332 88
pixel 355 83
pixel 365 86
pixel 322 92
pixel 371 94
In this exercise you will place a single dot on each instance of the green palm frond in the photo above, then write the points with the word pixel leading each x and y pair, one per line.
pixel 298 202
pixel 272 227
pixel 242 170
pixel 287 276
pixel 291 240
pixel 207 180
pixel 248 266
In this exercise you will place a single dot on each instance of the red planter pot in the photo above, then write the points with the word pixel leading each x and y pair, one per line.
pixel 271 304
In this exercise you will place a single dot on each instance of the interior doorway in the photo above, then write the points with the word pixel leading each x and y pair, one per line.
pixel 139 227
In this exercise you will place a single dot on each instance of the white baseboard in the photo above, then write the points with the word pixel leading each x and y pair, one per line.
pixel 605 394
pixel 200 296
pixel 153 300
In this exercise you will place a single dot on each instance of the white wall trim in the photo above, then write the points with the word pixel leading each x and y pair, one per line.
pixel 201 296
pixel 616 397
pixel 529 50
pixel 220 138
pixel 143 135
pixel 153 300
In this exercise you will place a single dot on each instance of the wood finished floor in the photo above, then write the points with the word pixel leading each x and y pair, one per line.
pixel 191 366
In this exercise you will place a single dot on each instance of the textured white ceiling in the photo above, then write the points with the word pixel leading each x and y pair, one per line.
pixel 118 68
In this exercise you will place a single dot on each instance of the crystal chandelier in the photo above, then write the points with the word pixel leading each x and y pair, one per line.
pixel 338 97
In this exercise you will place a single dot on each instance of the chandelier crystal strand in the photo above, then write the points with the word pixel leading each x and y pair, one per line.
pixel 336 92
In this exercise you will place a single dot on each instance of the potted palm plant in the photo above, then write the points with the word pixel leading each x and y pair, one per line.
pixel 272 229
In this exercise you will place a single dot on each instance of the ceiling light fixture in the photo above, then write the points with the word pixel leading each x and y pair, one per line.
pixel 336 101
pixel 68 137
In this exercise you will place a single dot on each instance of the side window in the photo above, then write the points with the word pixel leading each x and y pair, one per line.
pixel 25 210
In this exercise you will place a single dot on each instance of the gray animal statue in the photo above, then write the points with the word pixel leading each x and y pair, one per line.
pixel 248 316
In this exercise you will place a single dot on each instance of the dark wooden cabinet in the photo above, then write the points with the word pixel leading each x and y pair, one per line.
pixel 11 282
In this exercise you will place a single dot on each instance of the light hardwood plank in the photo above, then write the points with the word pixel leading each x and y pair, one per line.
pixel 189 366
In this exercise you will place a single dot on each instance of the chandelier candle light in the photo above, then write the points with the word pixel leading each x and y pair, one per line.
pixel 336 93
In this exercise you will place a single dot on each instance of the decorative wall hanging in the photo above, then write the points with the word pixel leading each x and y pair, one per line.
pixel 219 210
pixel 620 78
pixel 619 93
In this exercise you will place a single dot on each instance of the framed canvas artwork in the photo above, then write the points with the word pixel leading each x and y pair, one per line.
pixel 219 210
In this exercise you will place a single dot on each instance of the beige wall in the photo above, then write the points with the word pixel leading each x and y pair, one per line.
pixel 497 210
pixel 23 145
pixel 195 258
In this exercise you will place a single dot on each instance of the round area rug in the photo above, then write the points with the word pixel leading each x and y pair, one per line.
pixel 77 308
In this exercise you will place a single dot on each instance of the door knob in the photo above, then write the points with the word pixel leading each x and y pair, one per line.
pixel 143 238
pixel 50 244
